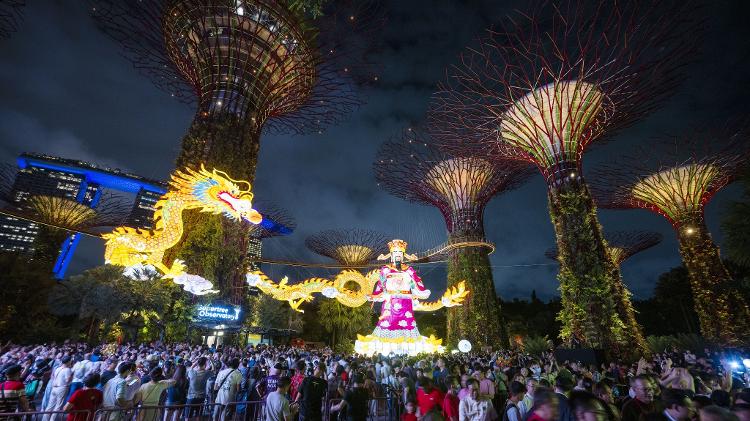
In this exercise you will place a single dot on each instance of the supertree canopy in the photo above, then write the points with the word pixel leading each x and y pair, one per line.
pixel 677 182
pixel 57 217
pixel 351 248
pixel 10 15
pixel 276 221
pixel 459 185
pixel 542 88
pixel 251 66
pixel 621 246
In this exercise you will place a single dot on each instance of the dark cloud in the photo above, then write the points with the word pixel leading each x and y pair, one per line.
pixel 67 91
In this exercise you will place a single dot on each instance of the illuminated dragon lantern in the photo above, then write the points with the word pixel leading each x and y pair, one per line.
pixel 396 285
pixel 209 191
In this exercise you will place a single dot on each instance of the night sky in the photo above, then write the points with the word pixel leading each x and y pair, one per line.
pixel 67 91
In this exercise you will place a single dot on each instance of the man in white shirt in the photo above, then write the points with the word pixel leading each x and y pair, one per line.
pixel 116 392
pixel 60 380
pixel 226 387
pixel 277 406
pixel 81 369
pixel 475 407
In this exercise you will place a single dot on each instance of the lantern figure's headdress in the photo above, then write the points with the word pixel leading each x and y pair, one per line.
pixel 398 245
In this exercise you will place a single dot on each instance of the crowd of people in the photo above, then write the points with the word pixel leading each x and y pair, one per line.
pixel 179 381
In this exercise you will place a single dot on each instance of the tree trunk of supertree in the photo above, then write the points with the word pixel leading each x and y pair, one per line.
pixel 625 310
pixel 589 314
pixel 478 318
pixel 722 312
pixel 47 246
pixel 213 246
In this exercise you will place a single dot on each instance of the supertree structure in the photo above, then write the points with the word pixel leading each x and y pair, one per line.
pixel 353 248
pixel 276 222
pixel 58 216
pixel 543 88
pixel 621 245
pixel 251 66
pixel 10 16
pixel 677 178
pixel 412 167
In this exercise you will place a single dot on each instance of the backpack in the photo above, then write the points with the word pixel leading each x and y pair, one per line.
pixel 31 388
pixel 515 407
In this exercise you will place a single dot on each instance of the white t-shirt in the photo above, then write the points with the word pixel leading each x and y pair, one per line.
pixel 81 369
pixel 277 408
pixel 228 380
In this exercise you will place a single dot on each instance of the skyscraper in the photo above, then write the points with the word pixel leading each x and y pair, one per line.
pixel 77 180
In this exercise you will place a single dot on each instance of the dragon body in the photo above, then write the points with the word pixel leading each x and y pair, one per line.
pixel 341 289
pixel 209 191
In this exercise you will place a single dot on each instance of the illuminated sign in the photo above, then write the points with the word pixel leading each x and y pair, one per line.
pixel 217 313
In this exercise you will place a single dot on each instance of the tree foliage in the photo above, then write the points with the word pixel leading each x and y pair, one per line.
pixel 478 319
pixel 671 308
pixel 344 323
pixel 103 296
pixel 23 297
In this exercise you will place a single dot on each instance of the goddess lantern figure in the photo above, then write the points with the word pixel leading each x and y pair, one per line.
pixel 400 290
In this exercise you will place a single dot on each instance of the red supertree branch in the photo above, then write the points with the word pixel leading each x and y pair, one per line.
pixel 352 247
pixel 674 177
pixel 459 183
pixel 549 82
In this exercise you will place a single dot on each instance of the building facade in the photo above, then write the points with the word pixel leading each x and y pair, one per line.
pixel 81 181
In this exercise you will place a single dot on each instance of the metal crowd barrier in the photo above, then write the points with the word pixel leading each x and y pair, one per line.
pixel 45 416
pixel 378 409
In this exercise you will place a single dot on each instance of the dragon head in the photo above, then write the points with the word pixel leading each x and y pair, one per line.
pixel 217 193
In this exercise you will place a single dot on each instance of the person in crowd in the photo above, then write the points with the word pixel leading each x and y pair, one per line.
pixel 311 393
pixel 60 380
pixel 177 392
pixel 354 402
pixel 474 406
pixel 643 403
pixel 486 385
pixel 226 387
pixel 451 401
pixel 528 398
pixel 677 404
pixel 116 392
pixel 109 372
pixel 268 384
pixel 512 411
pixel 81 369
pixel 427 396
pixel 299 376
pixel 13 391
pixel 150 394
pixel 585 406
pixel 88 399
pixel 197 385
pixel 410 412
pixel 277 407
pixel 716 413
pixel 546 405
pixel 563 387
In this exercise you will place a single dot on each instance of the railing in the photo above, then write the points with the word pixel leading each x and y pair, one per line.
pixel 46 415
pixel 378 409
